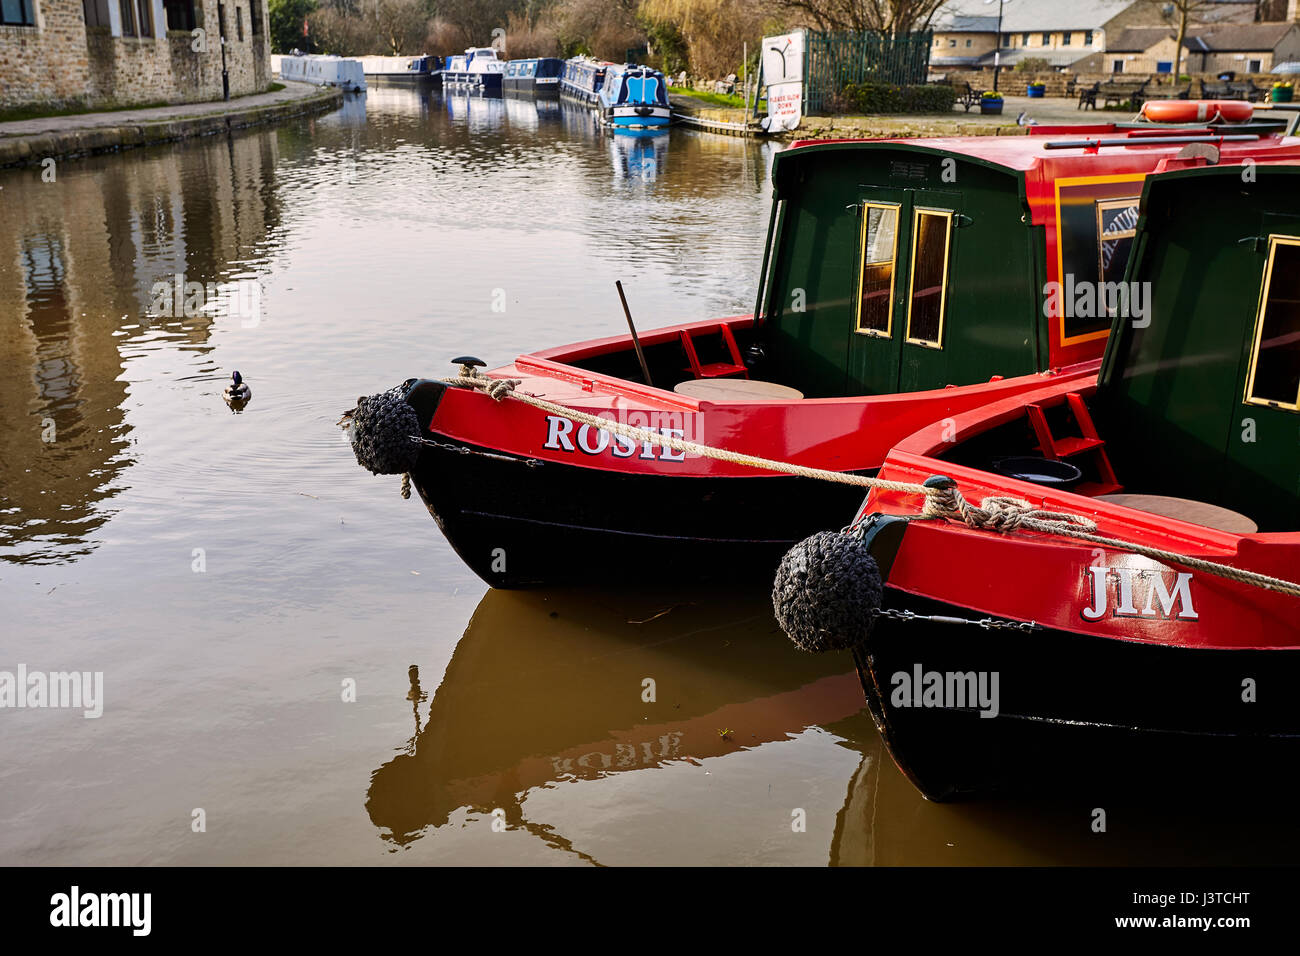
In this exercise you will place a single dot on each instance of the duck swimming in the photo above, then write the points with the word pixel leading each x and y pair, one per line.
pixel 238 390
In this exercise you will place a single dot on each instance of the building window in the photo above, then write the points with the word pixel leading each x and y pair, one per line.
pixel 255 17
pixel 876 277
pixel 96 12
pixel 1087 38
pixel 137 18
pixel 17 13
pixel 931 235
pixel 1006 39
pixel 1047 39
pixel 239 23
pixel 968 42
pixel 1024 39
pixel 1255 66
pixel 1275 357
pixel 952 42
pixel 1065 39
pixel 180 15
pixel 1117 66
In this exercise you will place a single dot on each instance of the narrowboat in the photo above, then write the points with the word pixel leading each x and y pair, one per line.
pixel 477 70
pixel 583 78
pixel 539 76
pixel 1165 639
pixel 634 97
pixel 402 70
pixel 323 71
pixel 902 281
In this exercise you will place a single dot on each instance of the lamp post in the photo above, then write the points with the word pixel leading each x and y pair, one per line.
pixel 997 45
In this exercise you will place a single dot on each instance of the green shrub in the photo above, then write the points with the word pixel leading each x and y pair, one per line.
pixel 1033 64
pixel 887 98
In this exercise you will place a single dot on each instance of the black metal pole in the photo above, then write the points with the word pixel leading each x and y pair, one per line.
pixel 997 49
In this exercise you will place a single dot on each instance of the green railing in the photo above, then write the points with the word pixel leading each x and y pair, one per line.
pixel 834 60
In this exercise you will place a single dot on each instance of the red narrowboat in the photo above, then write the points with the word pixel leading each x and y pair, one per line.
pixel 1118 595
pixel 903 282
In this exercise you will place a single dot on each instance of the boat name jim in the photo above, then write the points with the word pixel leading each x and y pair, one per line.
pixel 1130 582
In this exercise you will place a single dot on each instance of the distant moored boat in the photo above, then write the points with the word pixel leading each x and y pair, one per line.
pixel 477 70
pixel 323 71
pixel 634 97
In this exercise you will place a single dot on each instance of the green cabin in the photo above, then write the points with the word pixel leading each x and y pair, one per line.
pixel 1204 401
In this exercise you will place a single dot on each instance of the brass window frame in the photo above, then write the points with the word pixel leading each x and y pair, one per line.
pixel 888 332
pixel 1102 206
pixel 1274 240
pixel 917 213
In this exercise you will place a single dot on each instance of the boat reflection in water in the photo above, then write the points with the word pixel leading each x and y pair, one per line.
pixel 638 154
pixel 545 689
pixel 524 111
pixel 477 111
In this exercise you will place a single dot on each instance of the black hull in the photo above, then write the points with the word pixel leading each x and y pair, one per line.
pixel 517 526
pixel 1079 712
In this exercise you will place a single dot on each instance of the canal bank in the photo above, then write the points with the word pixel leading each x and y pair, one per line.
pixel 31 141
pixel 736 122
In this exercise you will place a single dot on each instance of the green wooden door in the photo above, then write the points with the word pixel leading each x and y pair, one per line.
pixel 905 262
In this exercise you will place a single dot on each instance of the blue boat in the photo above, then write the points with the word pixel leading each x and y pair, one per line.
pixel 477 70
pixel 539 75
pixel 634 98
pixel 583 78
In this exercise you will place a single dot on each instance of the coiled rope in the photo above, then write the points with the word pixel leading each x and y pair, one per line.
pixel 943 499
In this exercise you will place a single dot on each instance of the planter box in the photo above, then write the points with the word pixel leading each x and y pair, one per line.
pixel 1281 94
pixel 991 107
pixel 1035 92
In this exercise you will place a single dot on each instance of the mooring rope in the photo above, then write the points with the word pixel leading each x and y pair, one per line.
pixel 942 499
pixel 1008 514
pixel 499 388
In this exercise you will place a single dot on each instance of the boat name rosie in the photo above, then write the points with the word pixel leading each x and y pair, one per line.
pixel 593 441
pixel 1180 594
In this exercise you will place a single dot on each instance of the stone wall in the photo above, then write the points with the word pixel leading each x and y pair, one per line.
pixel 1014 83
pixel 59 62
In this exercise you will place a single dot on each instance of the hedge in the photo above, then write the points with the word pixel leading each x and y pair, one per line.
pixel 885 98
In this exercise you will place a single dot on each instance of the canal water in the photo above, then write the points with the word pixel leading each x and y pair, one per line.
pixel 296 667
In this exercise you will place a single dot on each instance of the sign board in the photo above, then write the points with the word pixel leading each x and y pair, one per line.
pixel 783 76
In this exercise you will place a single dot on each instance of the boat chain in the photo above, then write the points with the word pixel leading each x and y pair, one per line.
pixel 943 499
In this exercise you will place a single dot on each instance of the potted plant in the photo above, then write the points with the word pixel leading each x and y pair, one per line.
pixel 991 103
pixel 1036 91
pixel 1281 92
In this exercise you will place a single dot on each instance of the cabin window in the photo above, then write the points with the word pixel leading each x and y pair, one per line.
pixel 931 238
pixel 876 277
pixel 1116 227
pixel 1275 357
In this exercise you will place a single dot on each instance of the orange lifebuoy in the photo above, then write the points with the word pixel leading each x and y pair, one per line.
pixel 1196 111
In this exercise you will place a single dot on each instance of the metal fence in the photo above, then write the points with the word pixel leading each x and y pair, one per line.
pixel 834 60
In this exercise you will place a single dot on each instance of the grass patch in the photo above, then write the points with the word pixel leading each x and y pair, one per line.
pixel 729 101
pixel 45 110
pixel 41 111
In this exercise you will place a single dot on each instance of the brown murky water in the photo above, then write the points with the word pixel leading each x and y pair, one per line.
pixel 230 574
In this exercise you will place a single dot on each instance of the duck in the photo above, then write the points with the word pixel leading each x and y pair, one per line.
pixel 238 390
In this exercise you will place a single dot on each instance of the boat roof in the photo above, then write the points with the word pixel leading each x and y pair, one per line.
pixel 1027 153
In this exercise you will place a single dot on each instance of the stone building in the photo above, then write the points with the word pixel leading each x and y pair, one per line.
pixel 126 52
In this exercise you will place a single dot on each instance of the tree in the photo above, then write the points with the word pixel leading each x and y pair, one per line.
pixel 887 16
pixel 287 17
pixel 1182 14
